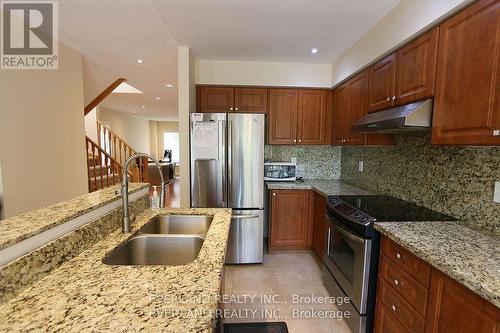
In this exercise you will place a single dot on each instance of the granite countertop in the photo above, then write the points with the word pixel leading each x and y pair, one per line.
pixel 323 187
pixel 467 256
pixel 85 295
pixel 17 228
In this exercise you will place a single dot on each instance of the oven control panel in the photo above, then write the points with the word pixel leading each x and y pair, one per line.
pixel 354 214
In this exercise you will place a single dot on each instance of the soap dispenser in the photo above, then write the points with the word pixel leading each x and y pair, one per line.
pixel 155 199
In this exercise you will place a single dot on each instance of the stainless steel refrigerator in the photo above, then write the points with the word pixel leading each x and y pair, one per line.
pixel 227 170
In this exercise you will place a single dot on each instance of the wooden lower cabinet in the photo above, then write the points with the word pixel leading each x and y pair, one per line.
pixel 291 219
pixel 386 322
pixel 454 308
pixel 319 235
pixel 412 297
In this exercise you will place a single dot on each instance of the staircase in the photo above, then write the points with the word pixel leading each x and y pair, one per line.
pixel 105 160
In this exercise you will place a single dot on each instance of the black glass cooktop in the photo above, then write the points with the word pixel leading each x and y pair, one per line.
pixel 386 208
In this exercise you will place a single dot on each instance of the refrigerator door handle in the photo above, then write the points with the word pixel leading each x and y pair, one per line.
pixel 229 168
pixel 222 157
pixel 245 216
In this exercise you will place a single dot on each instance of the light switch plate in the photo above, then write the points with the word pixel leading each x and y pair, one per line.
pixel 360 166
pixel 496 194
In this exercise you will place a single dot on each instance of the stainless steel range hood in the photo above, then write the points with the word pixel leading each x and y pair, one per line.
pixel 413 116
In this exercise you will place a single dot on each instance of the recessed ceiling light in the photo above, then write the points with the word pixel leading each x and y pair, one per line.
pixel 139 61
pixel 169 85
pixel 314 50
pixel 157 98
pixel 143 106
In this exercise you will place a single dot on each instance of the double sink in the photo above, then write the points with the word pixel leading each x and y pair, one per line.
pixel 164 240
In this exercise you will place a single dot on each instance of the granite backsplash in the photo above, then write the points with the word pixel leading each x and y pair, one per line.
pixel 453 180
pixel 313 162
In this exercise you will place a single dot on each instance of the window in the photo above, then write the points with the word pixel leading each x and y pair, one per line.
pixel 171 142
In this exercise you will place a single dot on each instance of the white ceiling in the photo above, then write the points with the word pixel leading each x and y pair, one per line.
pixel 112 34
pixel 270 30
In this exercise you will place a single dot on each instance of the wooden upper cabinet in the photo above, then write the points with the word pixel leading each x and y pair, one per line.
pixel 292 214
pixel 382 86
pixel 250 100
pixel 454 308
pixel 311 117
pixel 215 99
pixel 466 105
pixel 283 108
pixel 416 68
pixel 357 106
pixel 339 128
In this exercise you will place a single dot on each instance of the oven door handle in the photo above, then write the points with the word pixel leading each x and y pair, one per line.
pixel 348 234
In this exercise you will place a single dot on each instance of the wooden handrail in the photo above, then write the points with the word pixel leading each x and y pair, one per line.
pixel 96 101
pixel 110 171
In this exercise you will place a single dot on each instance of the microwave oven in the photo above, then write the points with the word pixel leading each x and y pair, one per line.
pixel 280 171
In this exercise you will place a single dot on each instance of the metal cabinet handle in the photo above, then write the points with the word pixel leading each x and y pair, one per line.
pixel 231 108
pixel 394 308
pixel 398 255
pixel 294 140
pixel 388 98
pixel 244 216
pixel 396 282
pixel 393 98
pixel 274 194
pixel 300 140
pixel 496 132
pixel 236 109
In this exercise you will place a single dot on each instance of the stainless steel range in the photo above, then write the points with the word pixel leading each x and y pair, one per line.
pixel 353 248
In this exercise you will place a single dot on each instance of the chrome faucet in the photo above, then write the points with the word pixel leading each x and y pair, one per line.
pixel 126 218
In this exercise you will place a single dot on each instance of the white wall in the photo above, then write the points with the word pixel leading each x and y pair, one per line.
pixel 262 73
pixel 157 129
pixel 132 129
pixel 187 103
pixel 42 145
pixel 403 22
pixel 91 125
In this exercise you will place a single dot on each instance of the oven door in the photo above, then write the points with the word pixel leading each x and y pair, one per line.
pixel 348 258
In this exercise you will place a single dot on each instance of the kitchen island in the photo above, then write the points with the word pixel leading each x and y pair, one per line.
pixel 84 295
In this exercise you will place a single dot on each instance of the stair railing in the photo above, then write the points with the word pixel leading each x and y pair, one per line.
pixel 103 170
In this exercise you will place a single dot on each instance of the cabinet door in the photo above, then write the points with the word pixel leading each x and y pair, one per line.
pixel 339 125
pixel 319 238
pixel 382 89
pixel 357 106
pixel 215 99
pixel 416 68
pixel 291 219
pixel 454 308
pixel 467 106
pixel 250 100
pixel 311 117
pixel 283 106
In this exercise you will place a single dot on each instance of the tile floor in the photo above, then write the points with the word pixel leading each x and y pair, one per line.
pixel 286 276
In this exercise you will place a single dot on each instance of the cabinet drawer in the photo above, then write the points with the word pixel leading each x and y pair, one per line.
pixel 401 309
pixel 385 321
pixel 416 267
pixel 406 286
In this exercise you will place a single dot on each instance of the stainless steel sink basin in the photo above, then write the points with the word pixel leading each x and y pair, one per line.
pixel 156 250
pixel 177 224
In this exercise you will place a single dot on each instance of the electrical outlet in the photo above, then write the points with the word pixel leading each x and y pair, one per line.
pixel 496 194
pixel 360 166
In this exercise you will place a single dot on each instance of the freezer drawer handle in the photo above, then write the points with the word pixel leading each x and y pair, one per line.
pixel 244 216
